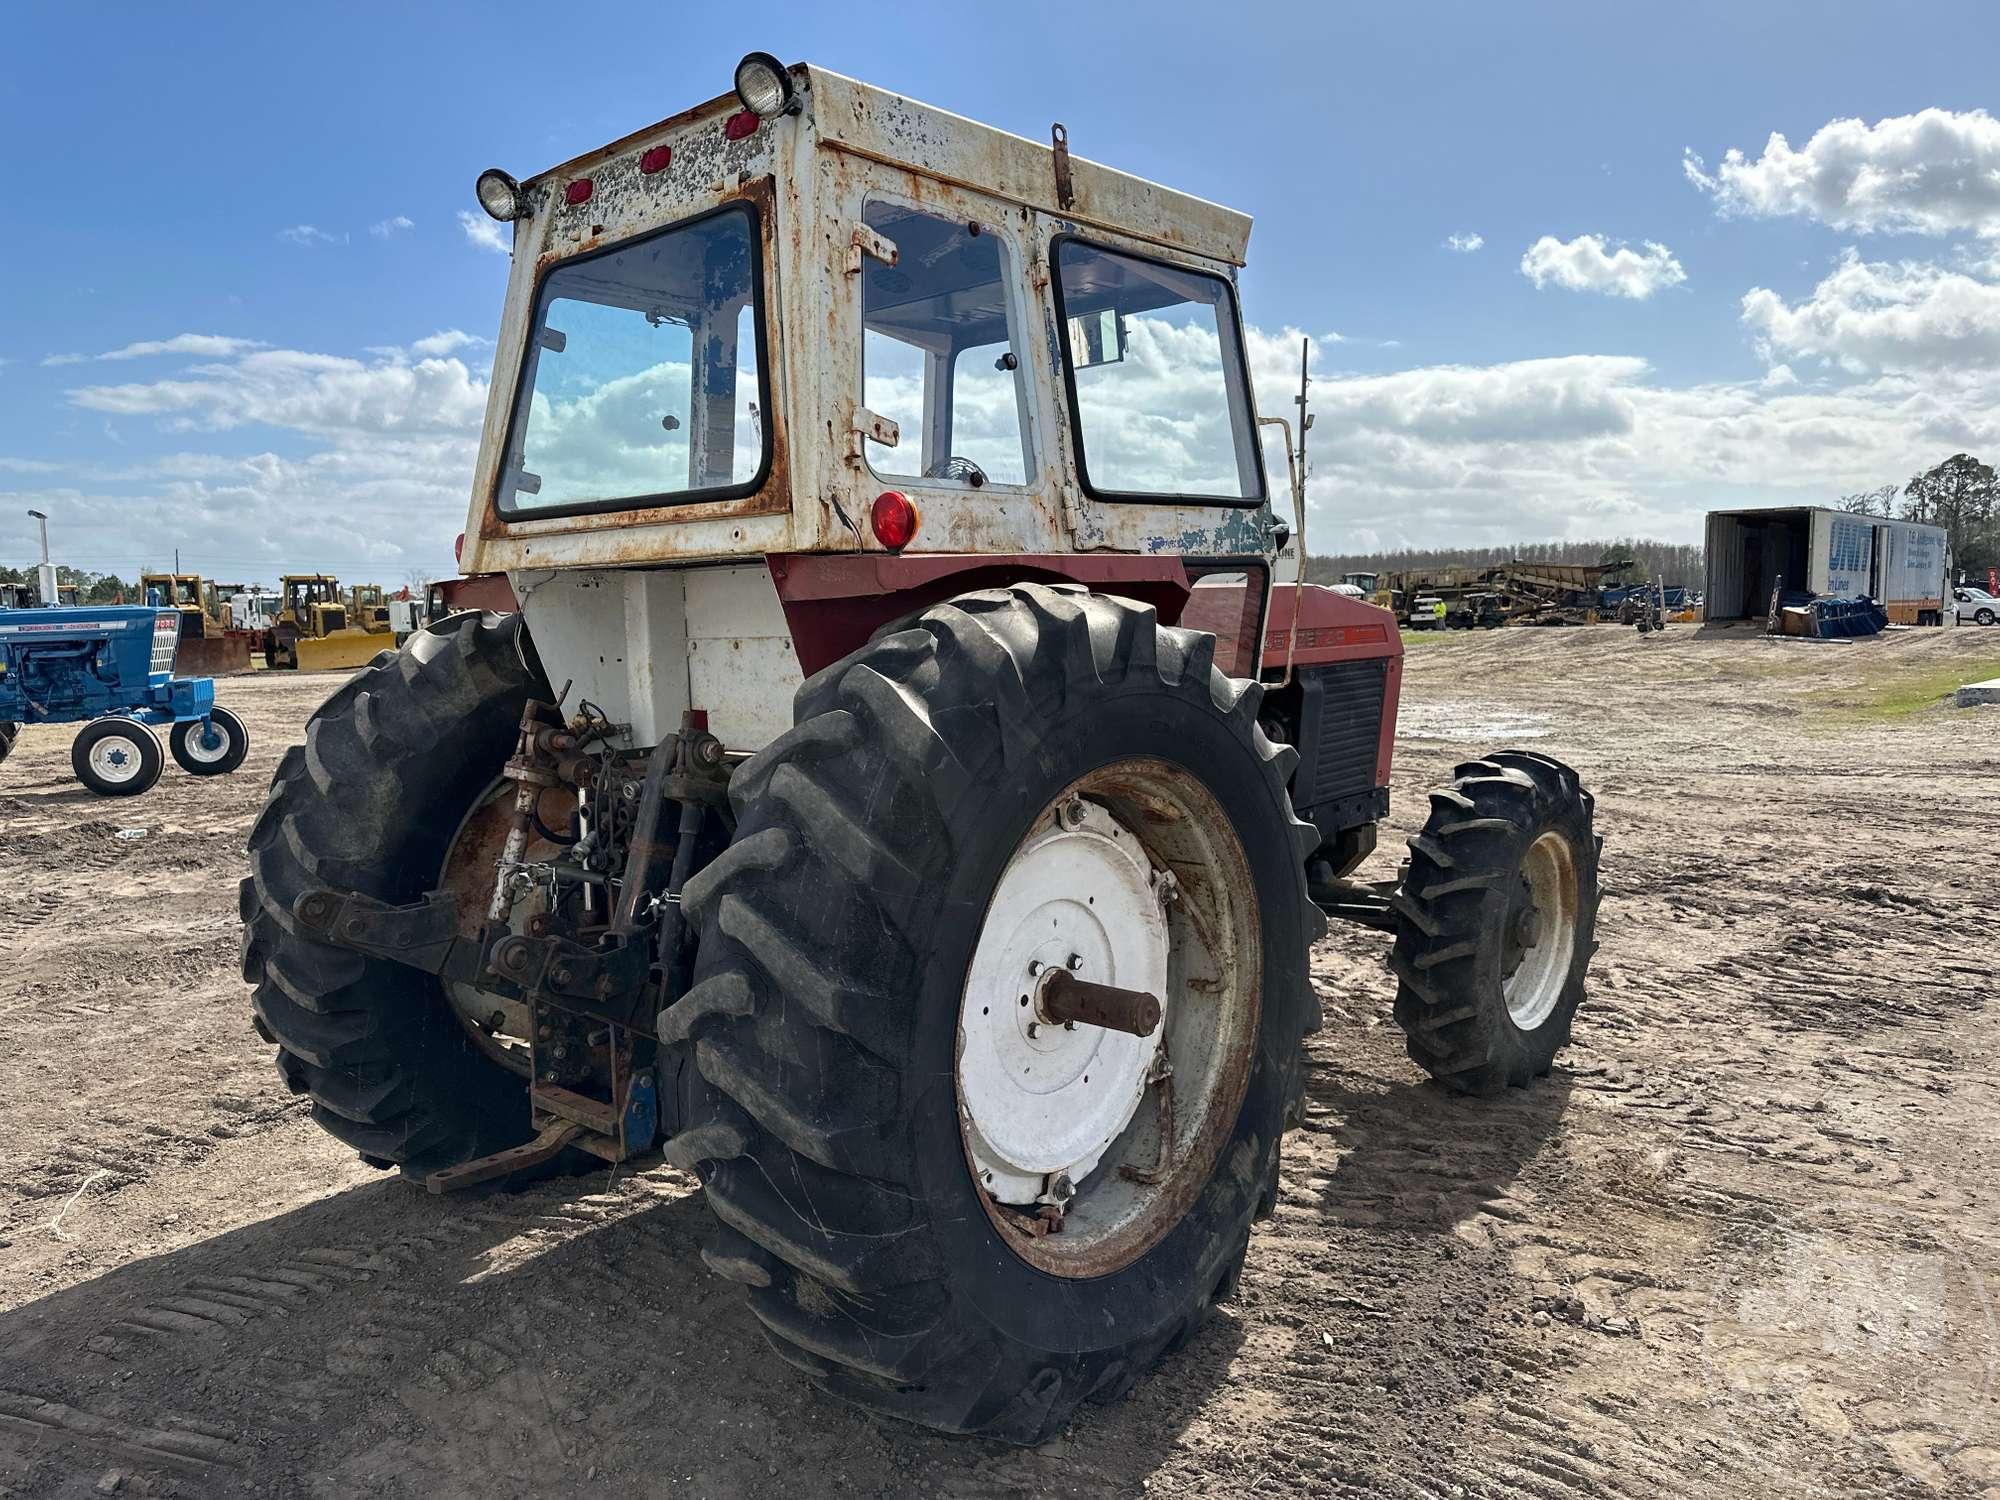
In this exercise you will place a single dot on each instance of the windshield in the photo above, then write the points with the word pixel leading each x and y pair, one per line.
pixel 641 382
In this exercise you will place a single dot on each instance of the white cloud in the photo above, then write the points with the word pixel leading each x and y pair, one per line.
pixel 1872 315
pixel 206 345
pixel 1464 244
pixel 318 394
pixel 1588 264
pixel 1588 445
pixel 1777 377
pixel 1933 172
pixel 484 232
pixel 309 236
pixel 391 226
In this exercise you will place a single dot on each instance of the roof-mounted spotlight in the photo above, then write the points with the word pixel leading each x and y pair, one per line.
pixel 500 195
pixel 765 87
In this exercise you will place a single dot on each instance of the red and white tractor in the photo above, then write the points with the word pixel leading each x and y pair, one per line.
pixel 904 797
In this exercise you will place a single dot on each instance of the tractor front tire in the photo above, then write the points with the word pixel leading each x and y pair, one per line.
pixel 116 757
pixel 392 763
pixel 834 1003
pixel 193 751
pixel 1496 922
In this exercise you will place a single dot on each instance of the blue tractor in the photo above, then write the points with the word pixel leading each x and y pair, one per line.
pixel 111 669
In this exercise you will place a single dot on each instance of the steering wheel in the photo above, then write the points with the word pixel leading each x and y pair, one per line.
pixel 963 470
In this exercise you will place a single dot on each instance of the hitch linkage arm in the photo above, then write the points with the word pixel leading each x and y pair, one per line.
pixel 609 982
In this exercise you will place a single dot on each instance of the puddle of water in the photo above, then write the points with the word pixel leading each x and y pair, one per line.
pixel 1461 720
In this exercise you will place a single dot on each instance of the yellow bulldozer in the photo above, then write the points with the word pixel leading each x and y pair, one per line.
pixel 313 631
pixel 368 608
pixel 207 647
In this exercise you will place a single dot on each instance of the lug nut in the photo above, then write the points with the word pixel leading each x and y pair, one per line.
pixel 1061 1188
pixel 1076 963
pixel 1071 814
pixel 1034 1030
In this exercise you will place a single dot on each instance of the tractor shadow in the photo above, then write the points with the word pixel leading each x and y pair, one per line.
pixel 565 1338
pixel 1416 1157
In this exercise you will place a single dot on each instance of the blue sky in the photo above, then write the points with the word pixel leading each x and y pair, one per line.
pixel 284 183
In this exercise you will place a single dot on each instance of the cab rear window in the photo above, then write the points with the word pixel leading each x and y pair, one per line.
pixel 643 381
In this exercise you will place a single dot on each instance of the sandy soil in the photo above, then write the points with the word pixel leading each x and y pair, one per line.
pixel 1742 1242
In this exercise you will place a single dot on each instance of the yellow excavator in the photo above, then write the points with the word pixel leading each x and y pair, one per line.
pixel 312 632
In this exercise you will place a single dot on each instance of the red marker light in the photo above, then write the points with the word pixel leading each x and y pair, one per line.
pixel 894 519
pixel 656 160
pixel 578 191
pixel 458 548
pixel 742 123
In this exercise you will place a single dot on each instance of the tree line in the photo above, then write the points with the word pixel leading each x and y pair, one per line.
pixel 1674 563
pixel 91 588
pixel 1961 495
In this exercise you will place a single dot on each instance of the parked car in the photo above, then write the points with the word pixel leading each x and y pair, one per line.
pixel 1975 605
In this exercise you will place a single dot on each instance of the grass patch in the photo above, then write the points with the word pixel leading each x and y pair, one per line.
pixel 1912 692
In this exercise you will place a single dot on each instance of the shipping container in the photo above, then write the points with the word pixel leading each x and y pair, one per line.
pixel 1831 553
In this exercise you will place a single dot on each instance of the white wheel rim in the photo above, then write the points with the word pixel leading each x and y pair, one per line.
pixel 116 758
pixel 193 747
pixel 1548 943
pixel 1040 1098
pixel 1089 1157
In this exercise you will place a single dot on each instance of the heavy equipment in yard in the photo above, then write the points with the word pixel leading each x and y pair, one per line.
pixel 110 667
pixel 312 631
pixel 208 646
pixel 903 798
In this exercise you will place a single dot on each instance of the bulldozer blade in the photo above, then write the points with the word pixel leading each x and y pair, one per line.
pixel 342 651
pixel 212 656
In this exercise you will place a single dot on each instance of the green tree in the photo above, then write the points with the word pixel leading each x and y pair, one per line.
pixel 1961 495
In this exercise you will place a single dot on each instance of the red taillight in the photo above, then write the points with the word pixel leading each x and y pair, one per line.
pixel 656 160
pixel 458 548
pixel 578 191
pixel 894 519
pixel 742 123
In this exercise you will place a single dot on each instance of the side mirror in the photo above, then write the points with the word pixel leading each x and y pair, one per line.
pixel 1097 339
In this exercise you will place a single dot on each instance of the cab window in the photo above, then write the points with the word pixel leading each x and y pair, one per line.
pixel 1153 362
pixel 938 356
pixel 642 385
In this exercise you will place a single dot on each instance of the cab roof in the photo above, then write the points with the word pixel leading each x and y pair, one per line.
pixel 847 115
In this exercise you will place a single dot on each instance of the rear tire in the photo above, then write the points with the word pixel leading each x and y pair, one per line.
pixel 8 734
pixel 196 757
pixel 392 762
pixel 116 757
pixel 1983 617
pixel 1483 1007
pixel 836 934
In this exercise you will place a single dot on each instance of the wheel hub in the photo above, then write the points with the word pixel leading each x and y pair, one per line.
pixel 113 760
pixel 1043 1099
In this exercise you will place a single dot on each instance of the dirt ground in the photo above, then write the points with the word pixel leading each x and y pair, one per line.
pixel 1743 1241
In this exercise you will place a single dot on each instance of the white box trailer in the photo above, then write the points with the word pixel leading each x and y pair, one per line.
pixel 1832 553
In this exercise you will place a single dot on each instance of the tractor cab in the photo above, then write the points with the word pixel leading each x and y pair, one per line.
pixel 782 376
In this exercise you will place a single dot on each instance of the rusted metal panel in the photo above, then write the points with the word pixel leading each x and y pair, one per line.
pixel 871 122
pixel 834 603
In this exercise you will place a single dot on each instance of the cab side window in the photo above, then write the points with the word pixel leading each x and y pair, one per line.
pixel 938 354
